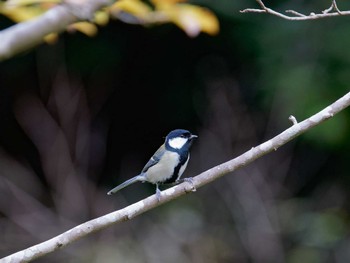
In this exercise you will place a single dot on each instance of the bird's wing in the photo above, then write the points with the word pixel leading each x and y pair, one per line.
pixel 155 158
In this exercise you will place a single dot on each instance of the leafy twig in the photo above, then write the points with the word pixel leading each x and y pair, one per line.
pixel 26 35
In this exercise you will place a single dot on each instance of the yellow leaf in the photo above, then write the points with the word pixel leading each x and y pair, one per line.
pixel 16 3
pixel 134 7
pixel 193 19
pixel 51 38
pixel 84 27
pixel 167 2
pixel 101 18
pixel 19 14
pixel 48 5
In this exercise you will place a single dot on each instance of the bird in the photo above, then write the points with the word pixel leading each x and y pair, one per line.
pixel 167 164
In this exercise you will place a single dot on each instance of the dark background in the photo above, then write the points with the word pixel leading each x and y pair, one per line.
pixel 84 114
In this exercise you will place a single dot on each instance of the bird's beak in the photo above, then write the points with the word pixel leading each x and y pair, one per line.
pixel 193 137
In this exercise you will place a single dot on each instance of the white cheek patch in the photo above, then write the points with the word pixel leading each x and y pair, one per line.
pixel 177 142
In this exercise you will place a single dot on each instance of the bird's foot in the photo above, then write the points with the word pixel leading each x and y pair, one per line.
pixel 190 181
pixel 158 194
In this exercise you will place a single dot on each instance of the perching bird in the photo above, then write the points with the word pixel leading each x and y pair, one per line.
pixel 167 164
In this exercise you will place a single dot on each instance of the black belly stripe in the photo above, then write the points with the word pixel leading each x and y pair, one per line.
pixel 172 179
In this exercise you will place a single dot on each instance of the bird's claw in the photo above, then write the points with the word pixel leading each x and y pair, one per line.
pixel 190 181
pixel 158 194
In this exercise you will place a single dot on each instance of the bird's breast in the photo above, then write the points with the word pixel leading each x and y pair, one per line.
pixel 164 169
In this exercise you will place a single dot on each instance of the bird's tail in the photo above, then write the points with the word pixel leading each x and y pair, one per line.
pixel 135 179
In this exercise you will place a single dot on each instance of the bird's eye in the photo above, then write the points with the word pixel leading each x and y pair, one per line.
pixel 185 135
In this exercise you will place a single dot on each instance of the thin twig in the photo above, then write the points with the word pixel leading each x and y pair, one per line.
pixel 335 7
pixel 295 13
pixel 262 5
pixel 297 16
pixel 293 119
pixel 202 179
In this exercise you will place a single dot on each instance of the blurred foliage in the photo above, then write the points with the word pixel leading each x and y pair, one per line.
pixel 84 114
pixel 190 18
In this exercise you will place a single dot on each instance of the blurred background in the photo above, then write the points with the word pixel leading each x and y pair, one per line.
pixel 82 115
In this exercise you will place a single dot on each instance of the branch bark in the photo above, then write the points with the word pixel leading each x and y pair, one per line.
pixel 332 11
pixel 200 180
pixel 26 35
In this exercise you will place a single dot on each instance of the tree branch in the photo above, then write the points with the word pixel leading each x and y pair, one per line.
pixel 202 179
pixel 26 35
pixel 332 11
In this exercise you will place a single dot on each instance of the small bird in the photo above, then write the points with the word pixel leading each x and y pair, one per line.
pixel 167 164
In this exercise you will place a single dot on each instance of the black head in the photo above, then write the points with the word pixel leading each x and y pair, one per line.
pixel 179 139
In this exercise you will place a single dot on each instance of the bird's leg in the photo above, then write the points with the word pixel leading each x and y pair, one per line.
pixel 158 192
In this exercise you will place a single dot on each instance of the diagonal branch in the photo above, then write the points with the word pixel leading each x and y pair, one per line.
pixel 202 179
pixel 332 11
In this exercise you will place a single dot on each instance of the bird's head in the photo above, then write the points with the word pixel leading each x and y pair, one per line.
pixel 179 140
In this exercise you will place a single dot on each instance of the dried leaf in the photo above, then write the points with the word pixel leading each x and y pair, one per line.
pixel 17 3
pixel 51 38
pixel 19 14
pixel 166 2
pixel 86 28
pixel 101 18
pixel 193 19
pixel 134 7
